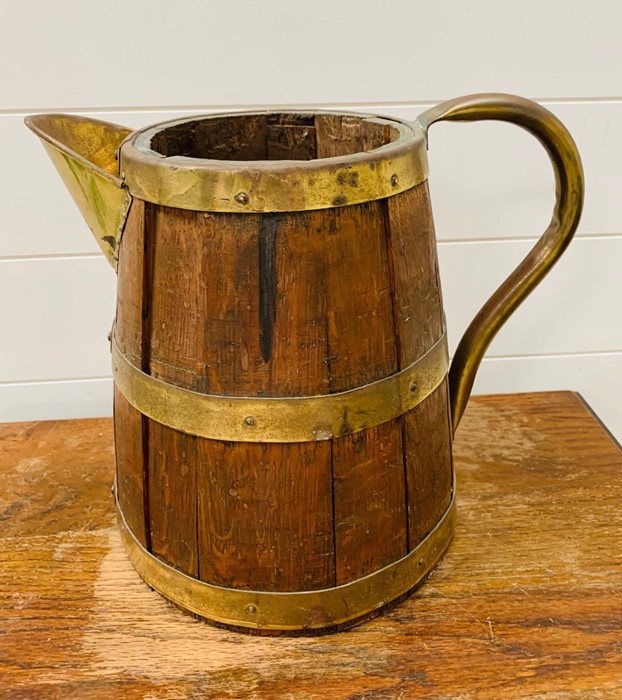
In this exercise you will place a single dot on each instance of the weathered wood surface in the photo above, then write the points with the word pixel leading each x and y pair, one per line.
pixel 526 604
pixel 426 431
pixel 283 304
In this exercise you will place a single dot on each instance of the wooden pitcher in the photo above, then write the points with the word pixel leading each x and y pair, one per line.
pixel 283 408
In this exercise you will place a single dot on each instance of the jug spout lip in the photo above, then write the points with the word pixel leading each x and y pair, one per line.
pixel 91 141
pixel 84 151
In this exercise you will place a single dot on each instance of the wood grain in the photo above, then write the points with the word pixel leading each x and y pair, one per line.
pixel 265 515
pixel 173 497
pixel 273 136
pixel 132 437
pixel 215 328
pixel 368 471
pixel 274 500
pixel 129 452
pixel 284 304
pixel 428 463
pixel 418 313
pixel 291 137
pixel 369 501
pixel 526 604
pixel 339 135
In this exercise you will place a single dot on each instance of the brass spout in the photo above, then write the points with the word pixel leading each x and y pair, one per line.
pixel 83 151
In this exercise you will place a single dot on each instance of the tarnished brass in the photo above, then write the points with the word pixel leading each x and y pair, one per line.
pixel 273 185
pixel 286 419
pixel 568 170
pixel 157 167
pixel 291 611
pixel 83 151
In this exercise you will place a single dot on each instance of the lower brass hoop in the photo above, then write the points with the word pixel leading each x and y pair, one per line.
pixel 292 611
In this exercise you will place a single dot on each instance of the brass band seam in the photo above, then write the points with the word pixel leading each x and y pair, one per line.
pixel 292 610
pixel 281 419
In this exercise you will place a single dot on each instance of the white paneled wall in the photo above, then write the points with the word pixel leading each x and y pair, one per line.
pixel 492 187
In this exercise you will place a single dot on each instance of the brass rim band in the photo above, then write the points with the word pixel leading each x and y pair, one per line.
pixel 247 187
pixel 298 610
pixel 284 419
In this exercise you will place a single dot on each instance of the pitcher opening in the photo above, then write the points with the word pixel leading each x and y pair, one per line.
pixel 248 162
pixel 274 136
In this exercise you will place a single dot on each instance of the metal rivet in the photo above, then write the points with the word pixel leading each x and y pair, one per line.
pixel 322 434
pixel 413 387
pixel 251 608
pixel 242 198
pixel 250 421
pixel 421 561
pixel 393 180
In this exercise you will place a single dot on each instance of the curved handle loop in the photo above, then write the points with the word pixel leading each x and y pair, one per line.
pixel 564 156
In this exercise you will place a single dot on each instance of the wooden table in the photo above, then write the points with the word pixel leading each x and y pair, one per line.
pixel 526 604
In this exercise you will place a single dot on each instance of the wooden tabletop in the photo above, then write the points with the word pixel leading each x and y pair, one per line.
pixel 526 604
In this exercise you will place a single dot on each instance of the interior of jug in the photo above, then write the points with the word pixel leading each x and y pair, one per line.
pixel 274 136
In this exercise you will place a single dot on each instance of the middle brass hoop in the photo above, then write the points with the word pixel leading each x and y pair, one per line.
pixel 281 419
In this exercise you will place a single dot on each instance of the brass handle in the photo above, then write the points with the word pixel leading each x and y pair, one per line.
pixel 564 156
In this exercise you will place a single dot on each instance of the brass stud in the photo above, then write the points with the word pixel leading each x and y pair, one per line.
pixel 251 608
pixel 242 198
pixel 393 180
pixel 322 433
pixel 250 421
pixel 413 387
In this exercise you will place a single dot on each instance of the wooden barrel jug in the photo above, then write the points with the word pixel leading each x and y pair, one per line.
pixel 283 408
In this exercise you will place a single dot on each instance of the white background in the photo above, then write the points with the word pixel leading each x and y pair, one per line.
pixel 140 62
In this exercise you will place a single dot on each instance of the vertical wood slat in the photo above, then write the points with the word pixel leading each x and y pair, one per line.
pixel 428 463
pixel 291 137
pixel 128 321
pixel 286 487
pixel 172 488
pixel 129 447
pixel 370 513
pixel 265 517
pixel 368 471
pixel 340 135
pixel 419 324
pixel 170 294
pixel 174 313
pixel 130 483
pixel 212 344
pixel 221 138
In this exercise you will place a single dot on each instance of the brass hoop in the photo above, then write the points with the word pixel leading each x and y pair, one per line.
pixel 247 187
pixel 292 611
pixel 281 419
